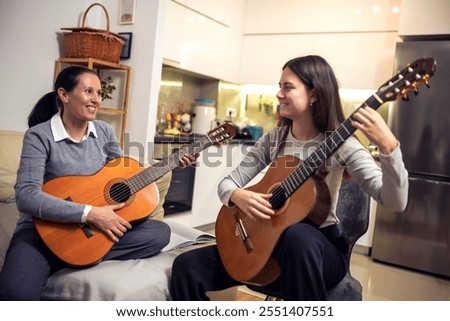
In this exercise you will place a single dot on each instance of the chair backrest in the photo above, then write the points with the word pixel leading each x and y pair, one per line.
pixel 353 211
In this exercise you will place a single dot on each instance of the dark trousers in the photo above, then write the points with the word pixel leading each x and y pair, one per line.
pixel 312 260
pixel 29 263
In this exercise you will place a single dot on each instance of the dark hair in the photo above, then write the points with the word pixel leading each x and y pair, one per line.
pixel 317 74
pixel 48 105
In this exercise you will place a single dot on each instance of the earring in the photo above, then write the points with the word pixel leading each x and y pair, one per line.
pixel 311 104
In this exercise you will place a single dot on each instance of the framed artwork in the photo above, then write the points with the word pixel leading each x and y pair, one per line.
pixel 127 10
pixel 126 49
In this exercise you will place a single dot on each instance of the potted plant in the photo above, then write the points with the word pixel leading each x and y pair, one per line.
pixel 108 87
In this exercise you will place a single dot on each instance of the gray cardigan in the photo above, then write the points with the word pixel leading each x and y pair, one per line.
pixel 44 157
pixel 388 185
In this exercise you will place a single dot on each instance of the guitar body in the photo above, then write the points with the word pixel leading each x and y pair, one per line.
pixel 246 246
pixel 250 261
pixel 83 245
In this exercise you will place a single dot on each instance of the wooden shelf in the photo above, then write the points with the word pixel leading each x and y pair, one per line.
pixel 92 62
pixel 111 111
pixel 97 64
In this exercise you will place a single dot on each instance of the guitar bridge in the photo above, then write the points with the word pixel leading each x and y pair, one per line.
pixel 87 230
pixel 243 234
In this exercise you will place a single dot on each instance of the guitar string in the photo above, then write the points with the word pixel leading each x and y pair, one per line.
pixel 300 175
pixel 337 137
pixel 140 180
pixel 132 183
pixel 191 149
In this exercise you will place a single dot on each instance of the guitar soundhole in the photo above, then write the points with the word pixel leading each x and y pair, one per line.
pixel 278 198
pixel 120 192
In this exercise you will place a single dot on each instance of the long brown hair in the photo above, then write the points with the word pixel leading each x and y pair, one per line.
pixel 317 74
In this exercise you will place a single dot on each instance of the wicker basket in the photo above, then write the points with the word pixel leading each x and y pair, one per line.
pixel 85 42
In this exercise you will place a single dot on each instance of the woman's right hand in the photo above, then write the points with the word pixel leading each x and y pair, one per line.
pixel 106 219
pixel 254 205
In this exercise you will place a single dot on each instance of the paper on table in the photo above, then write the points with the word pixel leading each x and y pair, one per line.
pixel 183 236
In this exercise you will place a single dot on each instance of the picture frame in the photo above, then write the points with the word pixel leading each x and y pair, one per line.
pixel 127 9
pixel 126 49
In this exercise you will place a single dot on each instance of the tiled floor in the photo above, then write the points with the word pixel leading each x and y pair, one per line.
pixel 383 282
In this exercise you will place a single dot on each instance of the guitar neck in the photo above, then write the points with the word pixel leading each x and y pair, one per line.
pixel 157 170
pixel 331 144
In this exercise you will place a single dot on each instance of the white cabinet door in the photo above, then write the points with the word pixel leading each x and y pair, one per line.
pixel 212 166
pixel 174 32
pixel 198 43
pixel 420 18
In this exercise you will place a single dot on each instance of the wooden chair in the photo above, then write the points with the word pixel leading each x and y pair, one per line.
pixel 353 212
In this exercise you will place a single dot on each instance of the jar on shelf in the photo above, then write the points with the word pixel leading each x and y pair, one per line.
pixel 203 116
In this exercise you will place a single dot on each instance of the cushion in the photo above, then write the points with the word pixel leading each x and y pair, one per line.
pixel 10 150
pixel 8 219
pixel 135 280
pixel 144 279
pixel 163 185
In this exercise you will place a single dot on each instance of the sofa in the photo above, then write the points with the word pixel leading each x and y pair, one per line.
pixel 145 279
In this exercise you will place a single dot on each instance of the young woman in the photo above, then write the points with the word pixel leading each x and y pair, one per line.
pixel 312 259
pixel 65 139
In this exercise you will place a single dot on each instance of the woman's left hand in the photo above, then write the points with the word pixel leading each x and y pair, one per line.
pixel 187 159
pixel 375 128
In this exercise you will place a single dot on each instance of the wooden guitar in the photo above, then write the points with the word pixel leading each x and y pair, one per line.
pixel 122 180
pixel 245 246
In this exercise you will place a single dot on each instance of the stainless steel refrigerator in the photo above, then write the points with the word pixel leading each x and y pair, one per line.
pixel 419 237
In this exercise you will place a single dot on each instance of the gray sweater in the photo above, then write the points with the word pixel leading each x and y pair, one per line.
pixel 388 185
pixel 45 156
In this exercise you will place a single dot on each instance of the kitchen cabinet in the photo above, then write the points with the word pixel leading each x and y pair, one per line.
pixel 213 165
pixel 358 59
pixel 194 41
pixel 219 10
pixel 357 40
pixel 112 111
pixel 365 242
pixel 425 18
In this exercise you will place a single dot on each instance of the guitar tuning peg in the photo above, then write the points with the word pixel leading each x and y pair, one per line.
pixel 405 97
pixel 425 80
pixel 416 91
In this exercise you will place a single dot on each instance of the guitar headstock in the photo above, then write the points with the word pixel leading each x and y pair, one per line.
pixel 408 79
pixel 222 134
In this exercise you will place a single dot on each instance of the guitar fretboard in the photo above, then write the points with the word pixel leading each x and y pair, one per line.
pixel 158 170
pixel 330 145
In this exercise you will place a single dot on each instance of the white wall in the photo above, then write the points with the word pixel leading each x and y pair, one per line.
pixel 146 61
pixel 357 39
pixel 29 37
pixel 29 33
pixel 274 32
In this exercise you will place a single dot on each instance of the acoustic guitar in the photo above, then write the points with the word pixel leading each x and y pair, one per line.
pixel 298 193
pixel 122 180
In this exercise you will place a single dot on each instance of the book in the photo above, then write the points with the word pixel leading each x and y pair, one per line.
pixel 183 236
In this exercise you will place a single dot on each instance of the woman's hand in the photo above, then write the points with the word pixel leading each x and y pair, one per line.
pixel 254 205
pixel 106 219
pixel 371 124
pixel 186 160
